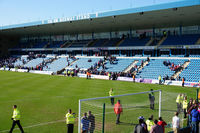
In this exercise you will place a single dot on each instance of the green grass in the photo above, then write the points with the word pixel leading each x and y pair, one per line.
pixel 43 98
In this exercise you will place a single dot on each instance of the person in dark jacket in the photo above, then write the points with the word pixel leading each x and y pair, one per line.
pixel 139 128
pixel 91 118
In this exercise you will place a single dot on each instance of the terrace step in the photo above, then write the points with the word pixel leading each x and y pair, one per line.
pixel 161 41
pixel 69 44
pixel 45 46
pixel 64 44
pixel 119 42
pixel 71 63
pixel 183 66
pixel 92 42
pixel 141 67
pixel 198 42
pixel 149 42
pixel 130 66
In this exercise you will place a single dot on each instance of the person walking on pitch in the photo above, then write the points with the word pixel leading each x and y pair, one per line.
pixel 16 119
pixel 118 110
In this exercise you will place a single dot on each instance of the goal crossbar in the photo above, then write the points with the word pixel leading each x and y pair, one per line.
pixel 119 95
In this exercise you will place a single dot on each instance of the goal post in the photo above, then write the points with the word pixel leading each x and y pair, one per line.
pixel 133 104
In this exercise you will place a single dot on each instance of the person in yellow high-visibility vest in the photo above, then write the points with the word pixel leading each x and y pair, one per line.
pixel 159 79
pixel 72 73
pixel 150 123
pixel 16 119
pixel 109 76
pixel 68 73
pixel 70 120
pixel 178 102
pixel 185 104
pixel 181 101
pixel 111 94
pixel 65 73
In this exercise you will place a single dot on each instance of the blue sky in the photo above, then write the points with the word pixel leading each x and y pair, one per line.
pixel 21 11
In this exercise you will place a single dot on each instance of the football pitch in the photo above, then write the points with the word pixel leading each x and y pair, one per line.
pixel 43 101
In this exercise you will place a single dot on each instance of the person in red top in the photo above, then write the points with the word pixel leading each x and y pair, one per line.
pixel 118 110
pixel 162 123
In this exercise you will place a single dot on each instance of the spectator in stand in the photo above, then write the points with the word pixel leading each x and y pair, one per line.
pixel 142 63
pixel 162 123
pixel 176 123
pixel 118 110
pixel 156 128
pixel 148 59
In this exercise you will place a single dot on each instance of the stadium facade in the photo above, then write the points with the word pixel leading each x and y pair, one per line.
pixel 177 18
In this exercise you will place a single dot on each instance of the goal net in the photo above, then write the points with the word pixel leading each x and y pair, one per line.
pixel 134 105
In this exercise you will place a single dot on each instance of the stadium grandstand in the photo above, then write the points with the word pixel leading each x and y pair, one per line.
pixel 148 42
pixel 165 32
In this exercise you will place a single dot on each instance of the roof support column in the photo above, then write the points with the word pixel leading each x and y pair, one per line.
pixel 130 33
pixel 92 35
pixel 185 52
pixel 50 38
pixel 76 37
pixel 156 55
pixel 154 34
pixel 180 29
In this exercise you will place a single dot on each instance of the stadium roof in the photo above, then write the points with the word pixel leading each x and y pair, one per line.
pixel 181 13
